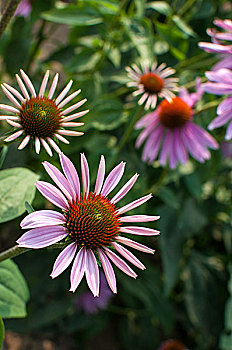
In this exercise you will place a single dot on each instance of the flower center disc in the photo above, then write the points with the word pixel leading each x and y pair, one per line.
pixel 152 82
pixel 40 117
pixel 174 114
pixel 92 222
pixel 173 344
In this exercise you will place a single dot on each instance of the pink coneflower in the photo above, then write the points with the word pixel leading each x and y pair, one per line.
pixel 171 130
pixel 219 43
pixel 90 222
pixel 221 84
pixel 40 117
pixel 172 344
pixel 152 83
pixel 24 8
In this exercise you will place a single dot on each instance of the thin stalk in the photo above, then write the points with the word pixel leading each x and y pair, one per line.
pixel 8 13
pixel 208 105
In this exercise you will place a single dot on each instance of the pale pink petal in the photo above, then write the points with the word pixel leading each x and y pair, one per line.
pixel 229 132
pixel 37 145
pixel 10 96
pixel 15 92
pixel 78 269
pixel 108 269
pixel 14 136
pixel 46 147
pixel 53 86
pixel 54 145
pixel 8 117
pixel 113 179
pixel 69 98
pixel 13 123
pixel 71 174
pixel 70 133
pixel 74 116
pixel 71 124
pixel 28 83
pixel 128 255
pixel 64 259
pixel 61 138
pixel 134 204
pixel 75 106
pixel 122 265
pixel 125 189
pixel 92 272
pixel 22 87
pixel 9 108
pixel 139 230
pixel 52 194
pixel 42 218
pixel 85 175
pixel 138 218
pixel 44 84
pixel 63 92
pixel 42 237
pixel 134 245
pixel 24 142
pixel 100 176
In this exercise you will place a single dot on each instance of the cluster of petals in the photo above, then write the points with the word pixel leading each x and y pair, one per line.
pixel 221 84
pixel 172 145
pixel 136 74
pixel 220 43
pixel 28 93
pixel 47 227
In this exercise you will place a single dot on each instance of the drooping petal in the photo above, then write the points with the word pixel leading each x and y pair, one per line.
pixel 134 244
pixel 64 259
pixel 78 269
pixel 42 218
pixel 100 176
pixel 109 271
pixel 42 237
pixel 136 230
pixel 113 179
pixel 52 194
pixel 85 175
pixel 122 265
pixel 71 174
pixel 134 204
pixel 125 189
pixel 92 272
pixel 128 255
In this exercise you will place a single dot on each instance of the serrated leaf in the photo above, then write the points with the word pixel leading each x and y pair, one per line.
pixel 161 7
pixel 13 291
pixel 2 331
pixel 17 185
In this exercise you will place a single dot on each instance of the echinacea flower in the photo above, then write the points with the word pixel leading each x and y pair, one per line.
pixel 172 344
pixel 170 130
pixel 221 84
pixel 91 305
pixel 91 223
pixel 220 43
pixel 152 83
pixel 23 8
pixel 40 117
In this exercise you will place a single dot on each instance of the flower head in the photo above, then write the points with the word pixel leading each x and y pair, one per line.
pixel 221 84
pixel 40 117
pixel 170 130
pixel 23 8
pixel 152 83
pixel 91 223
pixel 172 344
pixel 220 43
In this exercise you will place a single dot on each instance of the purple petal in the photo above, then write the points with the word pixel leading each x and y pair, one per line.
pixel 122 265
pixel 78 269
pixel 128 255
pixel 223 75
pixel 125 189
pixel 59 180
pixel 52 194
pixel 217 88
pixel 220 120
pixel 135 245
pixel 100 176
pixel 137 230
pixel 134 204
pixel 71 174
pixel 113 179
pixel 225 106
pixel 203 136
pixel 229 132
pixel 85 175
pixel 167 145
pixel 211 47
pixel 42 218
pixel 181 153
pixel 42 237
pixel 152 145
pixel 138 218
pixel 108 269
pixel 92 273
pixel 64 259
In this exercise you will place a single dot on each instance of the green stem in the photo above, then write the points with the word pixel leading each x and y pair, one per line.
pixel 208 105
pixel 8 14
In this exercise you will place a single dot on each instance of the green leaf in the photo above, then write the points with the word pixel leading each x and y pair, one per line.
pixel 2 331
pixel 193 183
pixel 104 6
pixel 17 185
pixel 13 291
pixel 160 6
pixel 72 16
pixel 183 26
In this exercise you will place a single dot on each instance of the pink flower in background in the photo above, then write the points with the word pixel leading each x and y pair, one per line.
pixel 221 84
pixel 220 43
pixel 40 117
pixel 226 149
pixel 24 8
pixel 91 223
pixel 172 344
pixel 91 305
pixel 152 83
pixel 170 130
